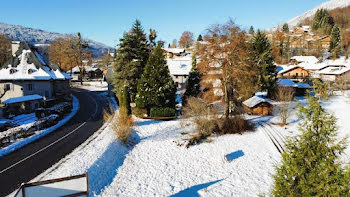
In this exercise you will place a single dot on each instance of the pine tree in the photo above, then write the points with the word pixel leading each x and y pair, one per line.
pixel 334 46
pixel 193 82
pixel 131 59
pixel 322 20
pixel 285 28
pixel 260 55
pixel 200 38
pixel 251 30
pixel 310 164
pixel 156 87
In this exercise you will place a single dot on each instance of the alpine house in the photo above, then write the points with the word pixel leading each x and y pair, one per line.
pixel 27 81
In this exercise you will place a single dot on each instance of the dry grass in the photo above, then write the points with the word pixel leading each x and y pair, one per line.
pixel 108 114
pixel 122 125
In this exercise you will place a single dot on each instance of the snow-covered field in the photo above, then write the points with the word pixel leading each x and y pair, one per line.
pixel 156 166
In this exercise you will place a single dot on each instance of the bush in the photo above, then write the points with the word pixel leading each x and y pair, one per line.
pixel 163 112
pixel 122 125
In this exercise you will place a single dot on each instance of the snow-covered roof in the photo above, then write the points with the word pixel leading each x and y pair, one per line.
pixel 313 66
pixel 180 65
pixel 287 68
pixel 174 50
pixel 308 59
pixel 23 99
pixel 28 64
pixel 334 70
pixel 255 100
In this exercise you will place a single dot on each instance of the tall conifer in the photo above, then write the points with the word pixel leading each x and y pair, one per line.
pixel 156 87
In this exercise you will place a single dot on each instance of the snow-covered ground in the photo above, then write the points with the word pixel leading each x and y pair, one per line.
pixel 28 120
pixel 229 165
pixel 92 85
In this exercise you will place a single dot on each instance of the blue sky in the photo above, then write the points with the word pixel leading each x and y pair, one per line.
pixel 107 20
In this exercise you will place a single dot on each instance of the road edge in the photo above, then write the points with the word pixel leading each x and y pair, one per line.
pixel 17 145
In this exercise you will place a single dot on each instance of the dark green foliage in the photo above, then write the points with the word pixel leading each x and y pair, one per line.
pixel 163 112
pixel 260 55
pixel 251 30
pixel 200 38
pixel 285 28
pixel 311 164
pixel 125 99
pixel 193 82
pixel 156 87
pixel 131 59
pixel 335 43
pixel 322 20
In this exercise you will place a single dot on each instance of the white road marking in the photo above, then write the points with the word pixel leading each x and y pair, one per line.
pixel 53 143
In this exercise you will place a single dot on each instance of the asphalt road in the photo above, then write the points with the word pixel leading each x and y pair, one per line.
pixel 31 160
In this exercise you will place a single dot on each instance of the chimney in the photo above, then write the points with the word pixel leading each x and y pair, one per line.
pixel 15 46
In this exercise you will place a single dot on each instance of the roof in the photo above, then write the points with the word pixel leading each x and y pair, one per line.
pixel 334 70
pixel 180 65
pixel 23 99
pixel 287 68
pixel 29 64
pixel 290 83
pixel 174 50
pixel 286 83
pixel 308 59
pixel 254 101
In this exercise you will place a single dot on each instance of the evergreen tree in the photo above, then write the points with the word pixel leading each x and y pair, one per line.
pixel 193 82
pixel 334 46
pixel 251 30
pixel 285 28
pixel 260 55
pixel 169 45
pixel 200 38
pixel 322 20
pixel 156 87
pixel 310 164
pixel 131 59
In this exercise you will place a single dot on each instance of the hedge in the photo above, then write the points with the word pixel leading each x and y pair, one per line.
pixel 162 112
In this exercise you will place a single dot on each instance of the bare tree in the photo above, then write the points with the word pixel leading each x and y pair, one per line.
pixel 69 52
pixel 285 95
pixel 186 39
pixel 227 72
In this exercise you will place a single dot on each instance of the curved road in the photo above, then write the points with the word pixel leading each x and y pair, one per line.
pixel 26 163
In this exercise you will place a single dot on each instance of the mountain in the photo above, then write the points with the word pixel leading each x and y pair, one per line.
pixel 329 5
pixel 38 36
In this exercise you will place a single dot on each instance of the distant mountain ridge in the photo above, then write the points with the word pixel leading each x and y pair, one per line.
pixel 329 5
pixel 38 36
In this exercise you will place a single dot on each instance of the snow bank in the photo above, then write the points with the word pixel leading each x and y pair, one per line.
pixel 16 145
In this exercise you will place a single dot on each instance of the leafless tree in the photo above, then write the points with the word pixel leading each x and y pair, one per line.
pixel 285 95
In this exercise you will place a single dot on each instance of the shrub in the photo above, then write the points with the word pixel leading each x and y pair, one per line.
pixel 122 125
pixel 163 112
pixel 139 112
pixel 235 124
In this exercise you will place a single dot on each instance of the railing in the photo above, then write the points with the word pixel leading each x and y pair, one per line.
pixel 67 186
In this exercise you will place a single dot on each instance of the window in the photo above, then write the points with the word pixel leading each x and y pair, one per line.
pixel 177 84
pixel 30 87
pixel 7 87
pixel 47 94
